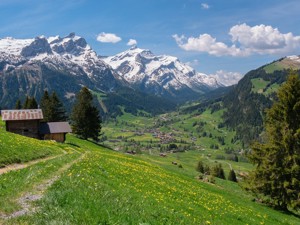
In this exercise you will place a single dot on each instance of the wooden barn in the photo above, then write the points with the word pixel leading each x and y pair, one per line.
pixel 25 122
pixel 54 131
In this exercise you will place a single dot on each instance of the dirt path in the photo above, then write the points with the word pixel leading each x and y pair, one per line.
pixel 18 166
pixel 37 192
pixel 215 160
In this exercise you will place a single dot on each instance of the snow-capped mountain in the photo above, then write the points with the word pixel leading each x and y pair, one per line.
pixel 65 64
pixel 28 66
pixel 161 75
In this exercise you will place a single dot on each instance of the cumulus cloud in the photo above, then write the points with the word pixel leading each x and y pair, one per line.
pixel 131 42
pixel 245 41
pixel 206 43
pixel 205 6
pixel 227 78
pixel 108 38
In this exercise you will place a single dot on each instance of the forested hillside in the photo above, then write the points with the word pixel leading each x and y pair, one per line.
pixel 246 104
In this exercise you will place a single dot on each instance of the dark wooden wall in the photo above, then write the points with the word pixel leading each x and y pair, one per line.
pixel 29 128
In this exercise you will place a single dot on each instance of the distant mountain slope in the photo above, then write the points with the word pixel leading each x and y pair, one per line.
pixel 245 103
pixel 161 75
pixel 248 100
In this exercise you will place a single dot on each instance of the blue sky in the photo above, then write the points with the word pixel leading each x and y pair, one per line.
pixel 213 36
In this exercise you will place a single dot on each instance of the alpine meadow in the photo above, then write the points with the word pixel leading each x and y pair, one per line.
pixel 149 113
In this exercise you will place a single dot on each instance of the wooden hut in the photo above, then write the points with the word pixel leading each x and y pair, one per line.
pixel 25 122
pixel 54 131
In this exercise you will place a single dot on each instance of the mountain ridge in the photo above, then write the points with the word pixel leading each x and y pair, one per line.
pixel 65 64
pixel 160 75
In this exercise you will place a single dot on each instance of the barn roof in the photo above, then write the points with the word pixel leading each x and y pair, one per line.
pixel 55 127
pixel 22 114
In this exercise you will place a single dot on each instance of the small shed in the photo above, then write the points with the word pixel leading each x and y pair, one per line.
pixel 25 122
pixel 54 131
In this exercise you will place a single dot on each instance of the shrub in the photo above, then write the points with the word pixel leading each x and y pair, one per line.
pixel 232 176
pixel 200 167
pixel 218 171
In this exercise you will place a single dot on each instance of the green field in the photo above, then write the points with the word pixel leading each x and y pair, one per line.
pixel 86 183
pixel 106 187
pixel 258 85
pixel 275 66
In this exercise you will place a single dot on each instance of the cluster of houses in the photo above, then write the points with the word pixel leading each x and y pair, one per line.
pixel 28 122
pixel 165 138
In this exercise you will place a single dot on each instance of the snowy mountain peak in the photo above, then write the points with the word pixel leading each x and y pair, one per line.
pixel 71 44
pixel 13 46
pixel 159 74
pixel 40 45
pixel 70 54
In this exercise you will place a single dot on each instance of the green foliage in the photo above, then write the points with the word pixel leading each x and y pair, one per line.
pixel 18 104
pixel 133 101
pixel 217 171
pixel 52 107
pixel 30 103
pixel 86 121
pixel 277 173
pixel 232 176
pixel 200 167
pixel 246 107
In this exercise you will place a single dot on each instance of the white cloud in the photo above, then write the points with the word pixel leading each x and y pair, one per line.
pixel 193 63
pixel 227 78
pixel 108 38
pixel 132 42
pixel 205 6
pixel 206 43
pixel 246 40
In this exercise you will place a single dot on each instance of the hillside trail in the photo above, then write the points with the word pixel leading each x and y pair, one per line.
pixel 18 166
pixel 37 192
pixel 229 164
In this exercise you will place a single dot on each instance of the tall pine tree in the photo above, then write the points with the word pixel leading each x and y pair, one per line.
pixel 18 104
pixel 58 111
pixel 86 121
pixel 52 107
pixel 45 106
pixel 30 103
pixel 277 173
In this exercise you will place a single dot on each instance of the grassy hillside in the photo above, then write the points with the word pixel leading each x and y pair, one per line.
pixel 16 148
pixel 89 184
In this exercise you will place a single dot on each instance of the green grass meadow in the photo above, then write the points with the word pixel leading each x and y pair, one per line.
pixel 106 187
pixel 87 183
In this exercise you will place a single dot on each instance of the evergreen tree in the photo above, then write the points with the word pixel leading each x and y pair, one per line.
pixel 26 103
pixel 277 172
pixel 45 106
pixel 218 171
pixel 206 170
pixel 232 176
pixel 53 109
pixel 58 111
pixel 18 104
pixel 200 167
pixel 86 121
pixel 30 103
